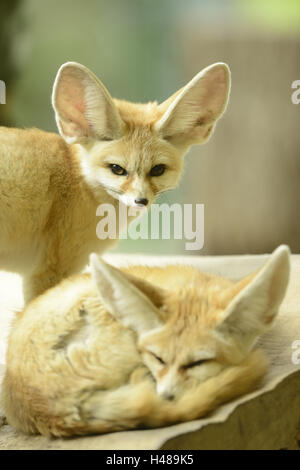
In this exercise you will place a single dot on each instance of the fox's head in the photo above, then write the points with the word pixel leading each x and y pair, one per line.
pixel 135 151
pixel 188 336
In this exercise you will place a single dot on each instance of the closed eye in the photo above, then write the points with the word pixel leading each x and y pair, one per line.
pixel 159 359
pixel 195 363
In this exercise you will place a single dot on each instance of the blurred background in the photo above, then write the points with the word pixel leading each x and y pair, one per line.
pixel 248 175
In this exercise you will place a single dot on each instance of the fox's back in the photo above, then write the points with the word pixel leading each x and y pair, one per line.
pixel 69 325
pixel 67 341
pixel 35 167
pixel 29 158
pixel 174 277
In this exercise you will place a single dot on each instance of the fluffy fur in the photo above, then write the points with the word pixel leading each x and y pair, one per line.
pixel 141 347
pixel 51 185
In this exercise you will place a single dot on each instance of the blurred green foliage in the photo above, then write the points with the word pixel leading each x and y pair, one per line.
pixel 275 15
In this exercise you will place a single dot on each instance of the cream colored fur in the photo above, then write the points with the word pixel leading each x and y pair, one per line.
pixel 51 185
pixel 141 347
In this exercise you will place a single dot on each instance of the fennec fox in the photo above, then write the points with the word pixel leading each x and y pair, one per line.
pixel 109 151
pixel 141 347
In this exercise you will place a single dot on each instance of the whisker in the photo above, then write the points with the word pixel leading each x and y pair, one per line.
pixel 163 191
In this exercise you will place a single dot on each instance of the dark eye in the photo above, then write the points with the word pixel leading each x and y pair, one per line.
pixel 195 364
pixel 157 170
pixel 159 359
pixel 117 169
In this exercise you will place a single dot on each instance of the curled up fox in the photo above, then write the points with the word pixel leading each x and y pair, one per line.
pixel 138 347
pixel 108 151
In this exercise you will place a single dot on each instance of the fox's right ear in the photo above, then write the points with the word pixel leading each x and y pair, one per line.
pixel 189 116
pixel 256 300
pixel 83 107
pixel 122 298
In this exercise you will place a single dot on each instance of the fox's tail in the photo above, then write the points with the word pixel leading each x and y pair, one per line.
pixel 136 406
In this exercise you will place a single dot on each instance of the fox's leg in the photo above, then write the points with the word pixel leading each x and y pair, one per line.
pixel 58 259
pixel 38 282
pixel 47 274
pixel 44 276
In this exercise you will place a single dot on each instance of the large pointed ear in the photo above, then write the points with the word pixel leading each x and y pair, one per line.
pixel 123 299
pixel 254 308
pixel 83 107
pixel 190 114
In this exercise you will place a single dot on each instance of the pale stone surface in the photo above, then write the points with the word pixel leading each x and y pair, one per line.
pixel 268 418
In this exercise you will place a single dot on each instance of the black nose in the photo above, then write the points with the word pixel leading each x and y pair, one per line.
pixel 169 396
pixel 141 201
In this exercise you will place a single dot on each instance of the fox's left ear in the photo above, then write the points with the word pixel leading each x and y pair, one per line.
pixel 189 116
pixel 128 301
pixel 255 306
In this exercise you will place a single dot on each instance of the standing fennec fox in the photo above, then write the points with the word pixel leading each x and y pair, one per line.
pixel 117 351
pixel 108 151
